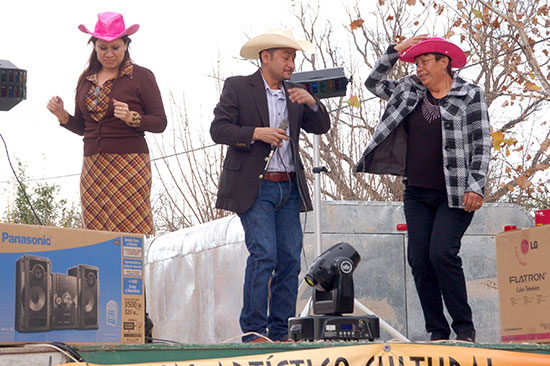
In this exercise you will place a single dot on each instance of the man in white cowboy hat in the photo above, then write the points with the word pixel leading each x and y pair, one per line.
pixel 268 198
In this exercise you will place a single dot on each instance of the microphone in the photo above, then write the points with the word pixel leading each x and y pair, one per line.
pixel 283 126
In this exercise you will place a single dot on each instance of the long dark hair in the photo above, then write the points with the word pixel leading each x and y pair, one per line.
pixel 94 65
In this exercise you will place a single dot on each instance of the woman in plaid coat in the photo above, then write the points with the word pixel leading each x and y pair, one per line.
pixel 435 133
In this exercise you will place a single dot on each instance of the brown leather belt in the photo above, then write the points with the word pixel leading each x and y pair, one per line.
pixel 279 176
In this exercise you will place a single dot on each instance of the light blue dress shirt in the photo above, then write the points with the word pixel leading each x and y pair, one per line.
pixel 276 105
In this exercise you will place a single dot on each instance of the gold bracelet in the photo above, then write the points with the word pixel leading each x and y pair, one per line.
pixel 136 120
pixel 65 118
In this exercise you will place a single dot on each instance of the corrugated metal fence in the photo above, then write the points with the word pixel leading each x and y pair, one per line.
pixel 194 276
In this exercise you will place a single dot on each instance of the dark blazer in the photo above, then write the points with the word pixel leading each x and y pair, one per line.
pixel 242 108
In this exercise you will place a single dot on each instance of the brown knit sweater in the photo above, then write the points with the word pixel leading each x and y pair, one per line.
pixel 110 134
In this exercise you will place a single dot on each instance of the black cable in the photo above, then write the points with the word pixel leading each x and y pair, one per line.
pixel 69 349
pixel 48 178
pixel 184 152
pixel 160 340
pixel 18 181
pixel 155 159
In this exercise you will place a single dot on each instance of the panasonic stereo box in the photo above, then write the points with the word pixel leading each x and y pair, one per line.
pixel 70 285
pixel 523 268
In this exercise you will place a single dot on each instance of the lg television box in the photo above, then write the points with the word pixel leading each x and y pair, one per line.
pixel 523 268
pixel 70 285
pixel 542 217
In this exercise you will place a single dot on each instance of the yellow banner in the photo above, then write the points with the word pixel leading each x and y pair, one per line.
pixel 370 355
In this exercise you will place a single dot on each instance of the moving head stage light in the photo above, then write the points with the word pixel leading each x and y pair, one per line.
pixel 13 85
pixel 331 276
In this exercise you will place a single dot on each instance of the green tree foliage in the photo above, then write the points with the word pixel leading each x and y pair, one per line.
pixel 44 197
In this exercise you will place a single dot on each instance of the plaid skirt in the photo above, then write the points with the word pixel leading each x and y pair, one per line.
pixel 115 191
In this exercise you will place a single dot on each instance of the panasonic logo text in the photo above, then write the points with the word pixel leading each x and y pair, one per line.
pixel 29 240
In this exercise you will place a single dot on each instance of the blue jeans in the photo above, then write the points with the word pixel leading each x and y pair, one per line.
pixel 273 236
pixel 435 232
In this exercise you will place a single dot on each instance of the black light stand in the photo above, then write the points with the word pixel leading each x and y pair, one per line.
pixel 326 83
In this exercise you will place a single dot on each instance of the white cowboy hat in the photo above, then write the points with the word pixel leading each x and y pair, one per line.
pixel 276 38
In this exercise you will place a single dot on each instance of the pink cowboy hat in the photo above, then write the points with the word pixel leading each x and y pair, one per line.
pixel 436 45
pixel 110 26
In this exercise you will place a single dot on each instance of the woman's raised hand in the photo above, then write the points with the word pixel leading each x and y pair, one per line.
pixel 406 44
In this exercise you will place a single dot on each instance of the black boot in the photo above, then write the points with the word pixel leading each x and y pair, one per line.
pixel 467 336
pixel 438 336
pixel 148 329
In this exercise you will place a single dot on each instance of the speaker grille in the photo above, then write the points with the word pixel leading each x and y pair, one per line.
pixel 33 294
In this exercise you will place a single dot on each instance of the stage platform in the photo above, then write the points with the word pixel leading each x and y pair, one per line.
pixel 370 353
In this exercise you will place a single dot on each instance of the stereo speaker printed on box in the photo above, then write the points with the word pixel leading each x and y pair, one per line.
pixel 47 301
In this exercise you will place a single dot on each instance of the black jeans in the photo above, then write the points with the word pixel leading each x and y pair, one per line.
pixel 435 231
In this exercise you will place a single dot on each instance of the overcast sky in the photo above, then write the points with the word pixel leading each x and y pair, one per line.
pixel 180 41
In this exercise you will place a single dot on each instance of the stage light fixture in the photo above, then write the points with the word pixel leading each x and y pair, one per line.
pixel 325 83
pixel 13 85
pixel 331 276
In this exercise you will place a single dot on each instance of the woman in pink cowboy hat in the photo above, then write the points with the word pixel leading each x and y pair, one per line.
pixel 117 101
pixel 435 133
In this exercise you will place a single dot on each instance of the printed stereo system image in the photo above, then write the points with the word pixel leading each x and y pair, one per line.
pixel 47 301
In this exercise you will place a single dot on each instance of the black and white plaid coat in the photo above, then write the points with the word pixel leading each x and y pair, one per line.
pixel 465 129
